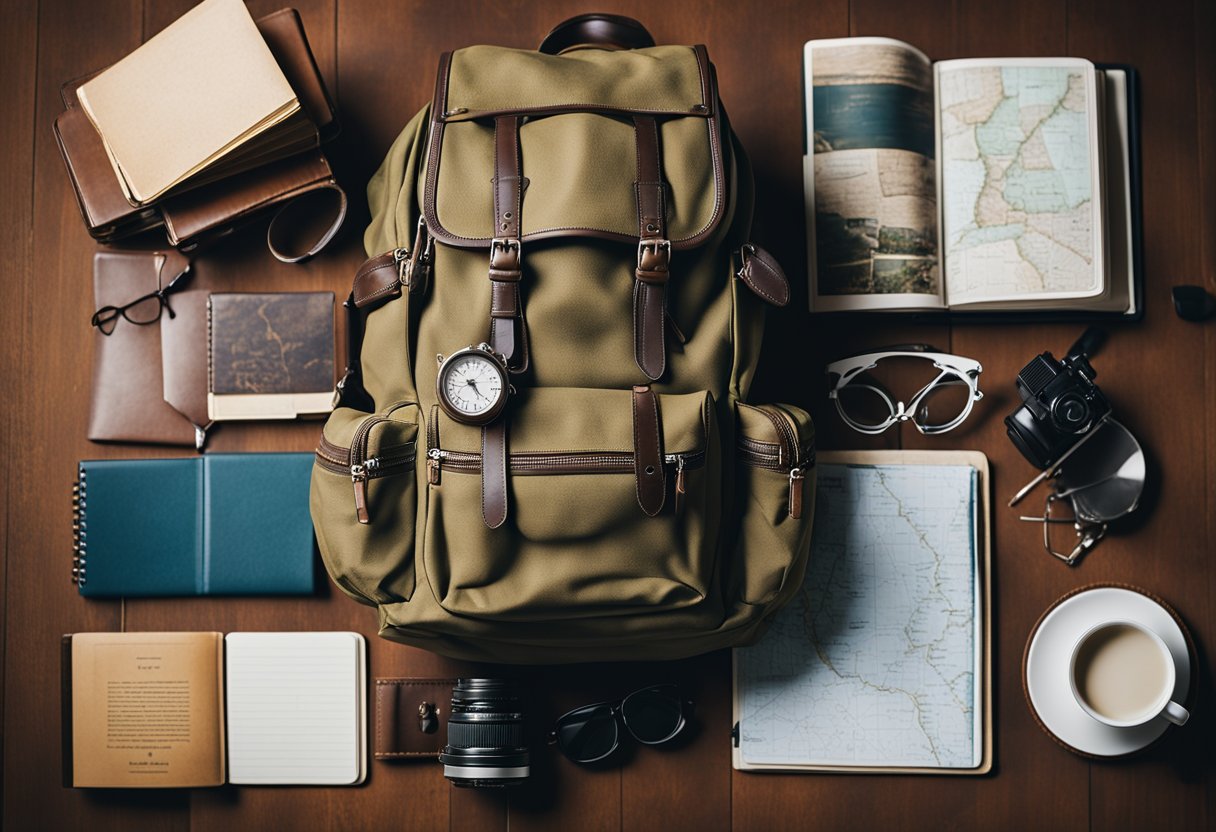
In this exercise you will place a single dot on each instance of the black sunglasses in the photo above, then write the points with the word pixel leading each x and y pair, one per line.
pixel 653 715
pixel 143 310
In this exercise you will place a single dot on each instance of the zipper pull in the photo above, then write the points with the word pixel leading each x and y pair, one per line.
pixel 797 478
pixel 434 458
pixel 680 485
pixel 401 256
pixel 358 477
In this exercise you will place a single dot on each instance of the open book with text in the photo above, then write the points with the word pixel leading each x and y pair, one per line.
pixel 1001 184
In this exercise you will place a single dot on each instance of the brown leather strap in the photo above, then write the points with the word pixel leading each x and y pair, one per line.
pixel 377 278
pixel 507 335
pixel 761 273
pixel 494 473
pixel 648 451
pixel 654 254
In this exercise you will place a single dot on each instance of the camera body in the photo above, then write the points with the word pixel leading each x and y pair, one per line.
pixel 1060 404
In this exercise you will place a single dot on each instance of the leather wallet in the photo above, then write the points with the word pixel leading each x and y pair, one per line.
pixel 412 717
pixel 127 403
pixel 109 216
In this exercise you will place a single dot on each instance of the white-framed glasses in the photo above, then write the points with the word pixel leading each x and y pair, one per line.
pixel 941 404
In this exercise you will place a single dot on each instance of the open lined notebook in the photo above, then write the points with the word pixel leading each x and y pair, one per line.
pixel 294 716
pixel 150 710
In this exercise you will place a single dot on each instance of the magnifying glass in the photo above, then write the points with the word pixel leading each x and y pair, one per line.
pixel 1102 478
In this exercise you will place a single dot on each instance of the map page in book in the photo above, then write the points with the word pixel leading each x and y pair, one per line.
pixel 1020 180
pixel 877 661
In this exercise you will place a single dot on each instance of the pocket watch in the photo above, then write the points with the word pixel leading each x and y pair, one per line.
pixel 472 384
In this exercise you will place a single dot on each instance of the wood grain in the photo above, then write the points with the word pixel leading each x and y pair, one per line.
pixel 379 58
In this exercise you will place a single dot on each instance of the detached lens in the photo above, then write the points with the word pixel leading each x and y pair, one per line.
pixel 487 745
pixel 588 734
pixel 653 715
pixel 1105 476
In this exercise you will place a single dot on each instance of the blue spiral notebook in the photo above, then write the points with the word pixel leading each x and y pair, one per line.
pixel 219 524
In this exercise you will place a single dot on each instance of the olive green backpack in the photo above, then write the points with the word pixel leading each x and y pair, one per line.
pixel 583 214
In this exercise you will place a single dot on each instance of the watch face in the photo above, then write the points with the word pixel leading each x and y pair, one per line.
pixel 472 384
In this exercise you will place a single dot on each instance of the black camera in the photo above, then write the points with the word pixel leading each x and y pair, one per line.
pixel 487 743
pixel 1060 403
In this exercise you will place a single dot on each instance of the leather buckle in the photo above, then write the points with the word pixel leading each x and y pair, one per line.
pixel 504 258
pixel 654 259
pixel 659 249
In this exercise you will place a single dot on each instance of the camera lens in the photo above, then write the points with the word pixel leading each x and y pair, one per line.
pixel 486 735
pixel 1070 412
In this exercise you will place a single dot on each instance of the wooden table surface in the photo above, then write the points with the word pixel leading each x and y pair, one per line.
pixel 379 59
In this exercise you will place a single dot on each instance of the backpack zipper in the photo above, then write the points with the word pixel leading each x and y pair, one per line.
pixel 557 463
pixel 355 462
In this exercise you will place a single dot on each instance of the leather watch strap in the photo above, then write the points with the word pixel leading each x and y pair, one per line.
pixel 654 253
pixel 411 717
pixel 494 473
pixel 648 451
pixel 507 335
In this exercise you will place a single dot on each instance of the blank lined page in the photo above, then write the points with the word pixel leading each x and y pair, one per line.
pixel 295 708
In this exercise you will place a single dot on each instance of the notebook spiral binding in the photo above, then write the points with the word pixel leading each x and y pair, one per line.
pixel 80 541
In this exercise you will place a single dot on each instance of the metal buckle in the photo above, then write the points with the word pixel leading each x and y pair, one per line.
pixel 504 244
pixel 658 247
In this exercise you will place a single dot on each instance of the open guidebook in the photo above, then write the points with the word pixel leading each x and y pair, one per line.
pixel 1003 184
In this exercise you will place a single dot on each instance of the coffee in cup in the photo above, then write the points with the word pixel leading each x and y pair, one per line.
pixel 1123 675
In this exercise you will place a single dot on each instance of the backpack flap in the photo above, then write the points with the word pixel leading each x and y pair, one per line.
pixel 623 146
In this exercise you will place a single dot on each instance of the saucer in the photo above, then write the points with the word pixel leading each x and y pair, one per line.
pixel 1046 667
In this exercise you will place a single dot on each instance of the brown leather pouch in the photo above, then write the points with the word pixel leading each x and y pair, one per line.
pixel 412 717
pixel 127 401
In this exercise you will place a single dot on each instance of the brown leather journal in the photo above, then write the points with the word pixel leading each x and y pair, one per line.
pixel 128 404
pixel 412 717
pixel 109 216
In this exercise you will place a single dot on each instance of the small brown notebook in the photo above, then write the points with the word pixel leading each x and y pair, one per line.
pixel 270 356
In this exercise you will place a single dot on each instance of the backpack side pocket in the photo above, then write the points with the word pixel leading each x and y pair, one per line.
pixel 365 501
pixel 775 498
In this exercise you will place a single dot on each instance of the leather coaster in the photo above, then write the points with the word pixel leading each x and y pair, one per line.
pixel 1186 634
pixel 412 717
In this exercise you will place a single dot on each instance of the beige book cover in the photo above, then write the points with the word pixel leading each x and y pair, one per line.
pixel 191 95
pixel 147 710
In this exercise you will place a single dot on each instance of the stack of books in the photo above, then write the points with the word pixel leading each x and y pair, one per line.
pixel 215 99
pixel 167 115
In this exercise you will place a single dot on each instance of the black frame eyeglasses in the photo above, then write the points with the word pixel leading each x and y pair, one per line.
pixel 142 311
pixel 652 715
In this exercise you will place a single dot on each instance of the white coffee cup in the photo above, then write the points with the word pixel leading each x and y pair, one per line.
pixel 1122 674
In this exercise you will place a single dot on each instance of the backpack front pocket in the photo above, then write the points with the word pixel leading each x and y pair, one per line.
pixel 578 540
pixel 775 490
pixel 365 500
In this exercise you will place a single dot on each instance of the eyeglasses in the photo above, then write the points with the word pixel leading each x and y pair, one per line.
pixel 1101 478
pixel 942 404
pixel 653 715
pixel 143 310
